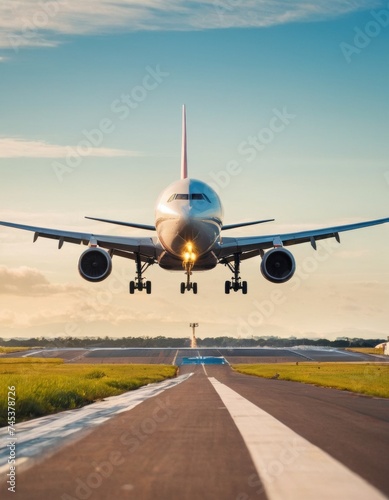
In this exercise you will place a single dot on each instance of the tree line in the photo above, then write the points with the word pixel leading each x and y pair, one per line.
pixel 161 341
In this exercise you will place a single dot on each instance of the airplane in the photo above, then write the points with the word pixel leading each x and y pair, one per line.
pixel 189 237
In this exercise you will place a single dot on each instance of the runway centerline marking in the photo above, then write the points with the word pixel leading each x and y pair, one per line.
pixel 289 466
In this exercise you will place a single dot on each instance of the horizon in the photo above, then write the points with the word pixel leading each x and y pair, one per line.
pixel 255 337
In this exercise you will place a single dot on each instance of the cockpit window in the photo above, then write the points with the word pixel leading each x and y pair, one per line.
pixel 193 196
pixel 200 196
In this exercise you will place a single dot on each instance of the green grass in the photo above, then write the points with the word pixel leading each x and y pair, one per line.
pixel 5 350
pixel 29 361
pixel 365 378
pixel 45 386
pixel 366 350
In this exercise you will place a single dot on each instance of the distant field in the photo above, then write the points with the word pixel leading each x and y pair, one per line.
pixel 5 350
pixel 45 386
pixel 366 350
pixel 366 378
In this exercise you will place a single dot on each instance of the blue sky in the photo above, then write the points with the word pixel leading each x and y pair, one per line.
pixel 65 70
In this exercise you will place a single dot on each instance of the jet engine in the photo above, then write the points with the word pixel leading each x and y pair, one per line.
pixel 95 264
pixel 278 265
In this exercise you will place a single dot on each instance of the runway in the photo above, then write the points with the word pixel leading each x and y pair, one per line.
pixel 176 356
pixel 217 434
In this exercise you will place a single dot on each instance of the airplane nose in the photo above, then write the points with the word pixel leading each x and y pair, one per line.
pixel 190 212
pixel 184 213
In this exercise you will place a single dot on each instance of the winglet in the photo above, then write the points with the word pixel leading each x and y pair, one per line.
pixel 184 161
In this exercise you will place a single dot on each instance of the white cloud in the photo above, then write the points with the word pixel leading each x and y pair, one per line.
pixel 15 147
pixel 25 281
pixel 29 23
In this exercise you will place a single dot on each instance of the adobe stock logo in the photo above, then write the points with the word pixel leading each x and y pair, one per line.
pixel 251 147
pixel 33 22
pixel 364 36
pixel 94 138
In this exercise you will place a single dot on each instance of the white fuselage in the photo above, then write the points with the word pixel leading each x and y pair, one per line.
pixel 189 218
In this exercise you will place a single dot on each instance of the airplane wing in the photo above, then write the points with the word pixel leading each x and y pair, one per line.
pixel 252 245
pixel 127 224
pixel 243 224
pixel 118 245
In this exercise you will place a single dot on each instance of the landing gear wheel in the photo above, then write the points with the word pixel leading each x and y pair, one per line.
pixel 235 283
pixel 194 287
pixel 139 283
pixel 183 287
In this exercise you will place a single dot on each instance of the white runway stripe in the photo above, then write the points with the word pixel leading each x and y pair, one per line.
pixel 35 437
pixel 289 466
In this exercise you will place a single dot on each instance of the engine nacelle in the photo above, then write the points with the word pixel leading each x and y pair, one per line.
pixel 95 264
pixel 278 265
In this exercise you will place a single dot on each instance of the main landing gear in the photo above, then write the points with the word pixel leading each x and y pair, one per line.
pixel 140 283
pixel 235 283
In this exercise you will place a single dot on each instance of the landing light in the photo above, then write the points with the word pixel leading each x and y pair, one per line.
pixel 189 257
pixel 188 254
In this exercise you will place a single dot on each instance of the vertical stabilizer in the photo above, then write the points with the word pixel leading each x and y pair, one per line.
pixel 184 161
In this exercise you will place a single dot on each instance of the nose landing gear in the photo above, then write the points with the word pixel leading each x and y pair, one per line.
pixel 189 286
pixel 187 264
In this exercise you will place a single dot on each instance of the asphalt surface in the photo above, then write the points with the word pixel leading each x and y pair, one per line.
pixel 183 443
pixel 176 356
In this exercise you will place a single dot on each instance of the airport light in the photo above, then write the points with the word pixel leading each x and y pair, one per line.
pixel 193 343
